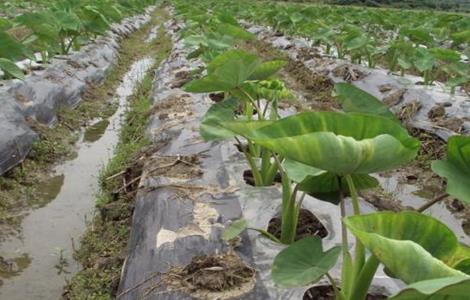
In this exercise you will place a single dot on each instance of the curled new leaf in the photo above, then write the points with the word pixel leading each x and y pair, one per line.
pixel 234 229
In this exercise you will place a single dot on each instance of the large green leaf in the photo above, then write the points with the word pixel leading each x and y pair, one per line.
pixel 447 288
pixel 11 69
pixel 303 262
pixel 426 248
pixel 335 142
pixel 226 72
pixel 456 168
pixel 354 99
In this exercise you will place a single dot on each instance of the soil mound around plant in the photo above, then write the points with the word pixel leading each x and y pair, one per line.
pixel 326 292
pixel 308 225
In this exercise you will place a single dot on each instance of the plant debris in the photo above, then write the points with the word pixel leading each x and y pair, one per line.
pixel 223 274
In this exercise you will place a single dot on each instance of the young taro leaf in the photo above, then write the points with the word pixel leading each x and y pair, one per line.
pixel 226 72
pixel 234 229
pixel 354 99
pixel 456 168
pixel 304 262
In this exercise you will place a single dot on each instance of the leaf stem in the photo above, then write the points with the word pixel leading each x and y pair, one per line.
pixel 364 279
pixel 346 271
pixel 360 254
pixel 432 202
pixel 253 102
pixel 338 295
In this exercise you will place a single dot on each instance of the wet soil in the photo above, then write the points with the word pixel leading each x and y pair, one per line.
pixel 308 225
pixel 225 275
pixel 250 180
pixel 326 292
pixel 216 97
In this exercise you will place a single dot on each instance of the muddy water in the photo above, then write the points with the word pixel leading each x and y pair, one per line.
pixel 36 263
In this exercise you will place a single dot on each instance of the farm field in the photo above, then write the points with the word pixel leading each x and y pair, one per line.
pixel 233 150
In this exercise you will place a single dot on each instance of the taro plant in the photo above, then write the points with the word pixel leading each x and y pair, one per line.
pixel 345 148
pixel 245 82
pixel 10 51
pixel 210 38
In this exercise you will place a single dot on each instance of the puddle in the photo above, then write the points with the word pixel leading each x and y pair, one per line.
pixel 36 263
pixel 48 191
pixel 95 131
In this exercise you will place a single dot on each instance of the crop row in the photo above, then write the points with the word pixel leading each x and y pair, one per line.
pixel 62 26
pixel 330 155
pixel 426 43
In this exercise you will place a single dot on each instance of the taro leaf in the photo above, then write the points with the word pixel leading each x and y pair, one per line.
pixel 93 20
pixel 418 35
pixel 211 125
pixel 324 185
pixel 234 229
pixel 354 99
pixel 456 168
pixel 11 69
pixel 12 49
pixel 404 63
pixel 267 69
pixel 303 262
pixel 67 21
pixel 446 55
pixel 227 18
pixel 461 37
pixel 410 235
pixel 4 24
pixel 454 288
pixel 423 60
pixel 234 31
pixel 335 142
pixel 226 72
